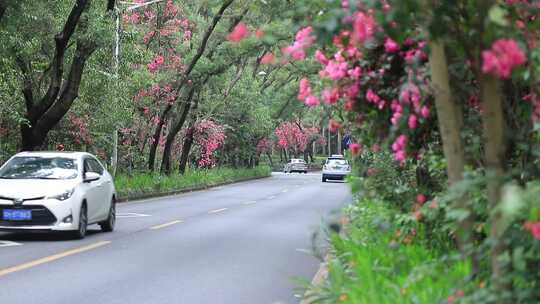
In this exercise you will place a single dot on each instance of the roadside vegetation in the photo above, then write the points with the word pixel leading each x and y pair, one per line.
pixel 138 184
pixel 441 99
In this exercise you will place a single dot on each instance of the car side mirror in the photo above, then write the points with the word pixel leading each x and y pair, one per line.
pixel 91 176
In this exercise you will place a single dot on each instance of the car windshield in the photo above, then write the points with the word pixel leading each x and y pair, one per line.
pixel 32 167
pixel 335 162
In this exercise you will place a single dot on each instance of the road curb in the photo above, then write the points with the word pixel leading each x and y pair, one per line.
pixel 142 196
pixel 317 280
pixel 322 273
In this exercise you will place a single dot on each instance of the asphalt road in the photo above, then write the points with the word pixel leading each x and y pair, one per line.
pixel 241 243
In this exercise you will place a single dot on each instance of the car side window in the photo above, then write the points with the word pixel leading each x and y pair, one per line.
pixel 86 166
pixel 96 166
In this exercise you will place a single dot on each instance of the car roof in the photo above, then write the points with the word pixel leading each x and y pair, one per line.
pixel 297 159
pixel 336 156
pixel 66 154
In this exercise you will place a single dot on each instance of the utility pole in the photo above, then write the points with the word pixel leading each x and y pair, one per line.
pixel 118 12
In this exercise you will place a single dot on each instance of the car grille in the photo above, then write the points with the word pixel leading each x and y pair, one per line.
pixel 41 216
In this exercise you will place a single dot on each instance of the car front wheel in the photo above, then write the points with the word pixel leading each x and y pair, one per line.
pixel 80 233
pixel 108 224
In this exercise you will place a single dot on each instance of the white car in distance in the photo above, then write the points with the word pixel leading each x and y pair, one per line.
pixel 56 191
pixel 336 167
pixel 295 165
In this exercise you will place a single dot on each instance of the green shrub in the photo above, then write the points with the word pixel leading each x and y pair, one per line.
pixel 373 261
pixel 143 183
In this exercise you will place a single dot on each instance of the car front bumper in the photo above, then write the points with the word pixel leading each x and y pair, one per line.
pixel 335 174
pixel 47 215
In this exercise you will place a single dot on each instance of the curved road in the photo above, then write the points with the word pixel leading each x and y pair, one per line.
pixel 235 244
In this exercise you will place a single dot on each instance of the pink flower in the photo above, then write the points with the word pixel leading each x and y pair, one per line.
pixel 295 51
pixel 348 105
pixel 355 148
pixel 312 101
pixel 375 148
pixel 372 97
pixel 321 58
pixel 335 70
pixel 503 56
pixel 355 73
pixel 303 40
pixel 363 27
pixel 239 32
pixel 330 96
pixel 268 58
pixel 304 90
pixel 534 228
pixel 412 121
pixel 424 111
pixel 420 198
pixel 333 126
pixel 390 46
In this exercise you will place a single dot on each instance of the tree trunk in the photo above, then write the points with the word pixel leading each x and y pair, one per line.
pixel 186 147
pixel 44 114
pixel 270 159
pixel 494 148
pixel 188 142
pixel 448 113
pixel 171 136
pixel 157 137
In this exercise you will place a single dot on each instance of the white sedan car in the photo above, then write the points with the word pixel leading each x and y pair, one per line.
pixel 56 191
pixel 335 167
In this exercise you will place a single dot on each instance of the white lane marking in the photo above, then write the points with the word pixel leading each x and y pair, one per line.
pixel 130 215
pixel 217 210
pixel 165 225
pixel 271 197
pixel 9 244
pixel 216 188
pixel 250 203
pixel 285 190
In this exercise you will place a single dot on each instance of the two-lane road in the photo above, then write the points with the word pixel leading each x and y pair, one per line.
pixel 241 243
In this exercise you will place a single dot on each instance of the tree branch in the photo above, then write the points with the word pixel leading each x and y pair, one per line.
pixel 61 40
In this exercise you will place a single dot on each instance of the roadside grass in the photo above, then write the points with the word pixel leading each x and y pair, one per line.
pixel 147 183
pixel 370 262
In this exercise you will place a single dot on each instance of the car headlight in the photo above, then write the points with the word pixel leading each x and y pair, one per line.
pixel 62 196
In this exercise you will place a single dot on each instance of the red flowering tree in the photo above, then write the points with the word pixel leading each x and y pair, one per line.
pixel 208 137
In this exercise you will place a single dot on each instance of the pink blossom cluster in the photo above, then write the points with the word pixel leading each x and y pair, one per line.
pixel 264 145
pixel 375 99
pixel 303 40
pixel 208 136
pixel 399 148
pixel 239 32
pixel 534 228
pixel 155 63
pixel 79 129
pixel 291 137
pixel 504 55
pixel 304 93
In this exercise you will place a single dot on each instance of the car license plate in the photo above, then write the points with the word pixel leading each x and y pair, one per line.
pixel 17 215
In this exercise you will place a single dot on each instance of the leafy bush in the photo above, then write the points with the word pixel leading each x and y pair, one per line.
pixel 374 261
pixel 143 183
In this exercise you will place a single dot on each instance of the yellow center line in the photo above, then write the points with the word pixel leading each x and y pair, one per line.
pixel 165 225
pixel 51 258
pixel 217 210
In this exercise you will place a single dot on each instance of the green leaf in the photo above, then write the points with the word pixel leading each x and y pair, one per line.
pixel 497 15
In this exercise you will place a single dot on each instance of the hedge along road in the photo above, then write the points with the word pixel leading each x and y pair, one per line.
pixel 240 243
